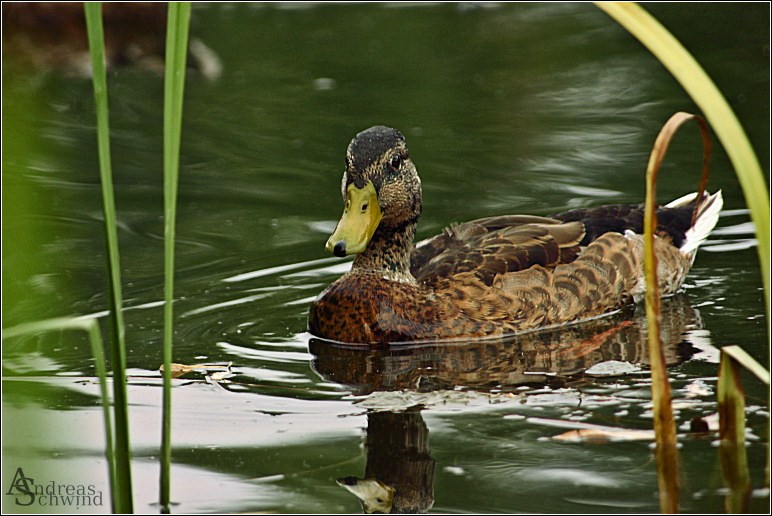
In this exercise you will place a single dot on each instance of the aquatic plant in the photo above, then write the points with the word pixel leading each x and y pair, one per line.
pixel 730 400
pixel 178 21
pixel 121 495
pixel 664 423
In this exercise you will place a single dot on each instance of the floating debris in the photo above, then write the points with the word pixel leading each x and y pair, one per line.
pixel 325 84
pixel 612 368
pixel 181 369
pixel 455 470
pixel 605 434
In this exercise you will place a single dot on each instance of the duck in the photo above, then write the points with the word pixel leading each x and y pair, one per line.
pixel 489 277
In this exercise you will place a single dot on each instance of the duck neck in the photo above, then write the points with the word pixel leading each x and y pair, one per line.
pixel 389 251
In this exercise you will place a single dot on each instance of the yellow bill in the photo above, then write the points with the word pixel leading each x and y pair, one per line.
pixel 358 223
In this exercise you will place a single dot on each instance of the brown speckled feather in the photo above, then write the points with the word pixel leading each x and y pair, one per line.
pixel 492 276
pixel 495 245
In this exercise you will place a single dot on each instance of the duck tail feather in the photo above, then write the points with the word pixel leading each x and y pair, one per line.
pixel 707 217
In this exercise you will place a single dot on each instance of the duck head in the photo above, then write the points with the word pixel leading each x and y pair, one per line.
pixel 380 188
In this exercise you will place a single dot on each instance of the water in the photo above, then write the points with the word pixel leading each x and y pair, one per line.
pixel 526 108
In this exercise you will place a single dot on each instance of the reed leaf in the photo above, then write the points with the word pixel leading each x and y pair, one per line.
pixel 716 110
pixel 178 19
pixel 731 418
pixel 739 355
pixel 91 327
pixel 122 496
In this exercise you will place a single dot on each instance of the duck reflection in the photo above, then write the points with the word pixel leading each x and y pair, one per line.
pixel 399 475
pixel 505 363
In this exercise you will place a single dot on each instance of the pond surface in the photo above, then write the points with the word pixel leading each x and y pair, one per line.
pixel 515 108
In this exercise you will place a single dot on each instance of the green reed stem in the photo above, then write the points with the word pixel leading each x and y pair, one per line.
pixel 178 19
pixel 91 327
pixel 122 497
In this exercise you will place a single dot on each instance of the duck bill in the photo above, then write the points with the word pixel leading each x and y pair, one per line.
pixel 358 223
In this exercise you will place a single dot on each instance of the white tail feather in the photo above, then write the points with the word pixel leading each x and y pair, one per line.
pixel 707 217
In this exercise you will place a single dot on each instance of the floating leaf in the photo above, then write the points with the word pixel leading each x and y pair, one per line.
pixel 603 434
pixel 178 370
pixel 220 375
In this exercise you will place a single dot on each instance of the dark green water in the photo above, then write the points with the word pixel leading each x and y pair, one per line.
pixel 518 108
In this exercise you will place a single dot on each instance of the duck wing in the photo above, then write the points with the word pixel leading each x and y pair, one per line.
pixel 494 246
pixel 517 273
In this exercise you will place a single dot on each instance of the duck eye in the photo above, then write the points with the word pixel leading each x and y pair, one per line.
pixel 396 161
pixel 364 207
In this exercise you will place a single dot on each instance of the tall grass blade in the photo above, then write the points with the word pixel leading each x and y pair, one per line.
pixel 91 327
pixel 123 503
pixel 706 95
pixel 178 19
pixel 731 417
